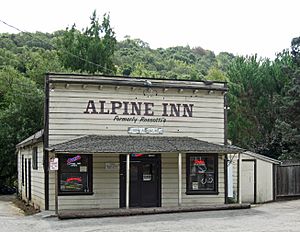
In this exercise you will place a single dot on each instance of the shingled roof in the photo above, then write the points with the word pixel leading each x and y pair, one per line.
pixel 138 144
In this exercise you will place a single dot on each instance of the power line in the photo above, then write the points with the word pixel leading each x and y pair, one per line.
pixel 53 47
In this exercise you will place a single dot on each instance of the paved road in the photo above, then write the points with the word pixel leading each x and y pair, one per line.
pixel 279 216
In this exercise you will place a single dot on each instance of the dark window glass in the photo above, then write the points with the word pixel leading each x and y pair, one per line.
pixel 35 158
pixel 23 170
pixel 202 173
pixel 75 174
pixel 147 172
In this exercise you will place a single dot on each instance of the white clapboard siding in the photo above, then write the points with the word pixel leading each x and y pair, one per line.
pixel 37 176
pixel 105 187
pixel 67 119
pixel 170 183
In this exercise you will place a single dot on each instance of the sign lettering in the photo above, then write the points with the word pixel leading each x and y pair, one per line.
pixel 139 108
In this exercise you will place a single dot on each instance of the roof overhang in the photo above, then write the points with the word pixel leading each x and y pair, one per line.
pixel 33 139
pixel 136 82
pixel 139 144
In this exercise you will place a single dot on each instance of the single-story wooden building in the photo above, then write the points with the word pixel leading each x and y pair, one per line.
pixel 257 180
pixel 113 142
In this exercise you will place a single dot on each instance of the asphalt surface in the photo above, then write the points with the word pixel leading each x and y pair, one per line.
pixel 278 216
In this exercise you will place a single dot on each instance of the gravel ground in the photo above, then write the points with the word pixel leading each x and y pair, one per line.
pixel 278 216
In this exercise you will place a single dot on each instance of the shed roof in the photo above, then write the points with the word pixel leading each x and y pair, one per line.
pixel 138 144
pixel 262 157
pixel 35 138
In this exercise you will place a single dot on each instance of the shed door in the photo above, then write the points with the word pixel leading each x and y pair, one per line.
pixel 248 181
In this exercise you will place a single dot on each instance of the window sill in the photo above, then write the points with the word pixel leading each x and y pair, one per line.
pixel 202 193
pixel 74 193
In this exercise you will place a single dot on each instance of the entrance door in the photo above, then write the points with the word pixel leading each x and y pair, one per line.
pixel 248 181
pixel 145 181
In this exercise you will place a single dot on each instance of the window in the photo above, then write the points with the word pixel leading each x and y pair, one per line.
pixel 22 170
pixel 202 174
pixel 75 174
pixel 35 158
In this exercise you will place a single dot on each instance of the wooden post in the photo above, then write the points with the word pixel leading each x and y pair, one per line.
pixel 127 180
pixel 56 193
pixel 179 178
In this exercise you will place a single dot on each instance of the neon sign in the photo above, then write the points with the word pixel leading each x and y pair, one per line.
pixel 74 179
pixel 199 162
pixel 200 166
pixel 136 155
pixel 73 159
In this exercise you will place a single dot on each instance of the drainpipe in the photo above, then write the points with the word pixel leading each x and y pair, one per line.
pixel 240 179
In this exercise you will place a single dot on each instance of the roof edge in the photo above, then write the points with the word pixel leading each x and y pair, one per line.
pixel 131 77
pixel 31 140
pixel 262 157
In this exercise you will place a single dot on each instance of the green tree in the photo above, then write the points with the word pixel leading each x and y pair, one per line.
pixel 216 74
pixel 90 50
pixel 21 113
pixel 288 124
pixel 256 90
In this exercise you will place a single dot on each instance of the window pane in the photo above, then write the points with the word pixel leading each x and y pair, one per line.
pixel 202 173
pixel 73 163
pixel 147 172
pixel 74 182
pixel 75 173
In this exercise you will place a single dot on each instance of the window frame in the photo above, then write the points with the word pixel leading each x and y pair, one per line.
pixel 89 173
pixel 189 191
pixel 35 158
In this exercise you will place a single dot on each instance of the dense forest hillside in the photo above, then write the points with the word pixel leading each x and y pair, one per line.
pixel 264 102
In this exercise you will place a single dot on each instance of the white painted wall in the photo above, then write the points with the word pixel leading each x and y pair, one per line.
pixel 264 181
pixel 67 120
pixel 247 178
pixel 37 176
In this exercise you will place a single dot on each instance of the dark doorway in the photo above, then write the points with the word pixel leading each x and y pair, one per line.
pixel 29 179
pixel 145 181
pixel 26 180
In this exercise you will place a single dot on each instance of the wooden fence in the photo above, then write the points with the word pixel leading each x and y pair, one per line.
pixel 288 179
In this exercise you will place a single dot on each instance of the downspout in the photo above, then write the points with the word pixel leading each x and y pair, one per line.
pixel 225 143
pixel 46 142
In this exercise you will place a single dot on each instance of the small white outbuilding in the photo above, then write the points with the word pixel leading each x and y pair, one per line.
pixel 252 177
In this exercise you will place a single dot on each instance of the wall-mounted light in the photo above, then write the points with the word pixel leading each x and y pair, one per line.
pixel 180 90
pixel 84 86
pixel 117 87
pixel 165 90
pixel 67 86
pixel 100 87
pixel 195 91
pixel 210 91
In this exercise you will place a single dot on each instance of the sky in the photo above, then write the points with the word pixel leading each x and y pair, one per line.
pixel 242 27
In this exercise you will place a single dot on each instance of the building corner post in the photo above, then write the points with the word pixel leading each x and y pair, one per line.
pixel 127 180
pixel 179 179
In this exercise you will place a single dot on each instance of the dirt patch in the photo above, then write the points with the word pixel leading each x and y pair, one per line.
pixel 27 208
